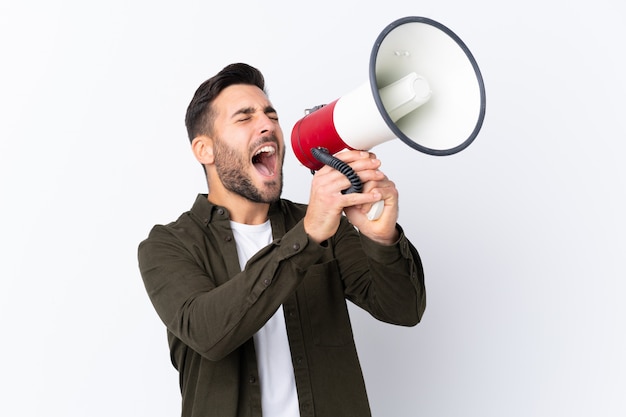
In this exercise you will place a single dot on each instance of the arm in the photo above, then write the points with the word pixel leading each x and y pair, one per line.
pixel 385 280
pixel 211 312
pixel 380 268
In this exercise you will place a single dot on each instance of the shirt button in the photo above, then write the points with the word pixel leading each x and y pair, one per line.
pixel 227 238
pixel 299 360
pixel 267 281
pixel 252 379
pixel 296 246
pixel 220 211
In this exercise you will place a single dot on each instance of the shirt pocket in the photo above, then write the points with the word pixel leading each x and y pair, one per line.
pixel 326 305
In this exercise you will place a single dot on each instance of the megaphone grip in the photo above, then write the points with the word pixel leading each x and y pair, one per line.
pixel 324 157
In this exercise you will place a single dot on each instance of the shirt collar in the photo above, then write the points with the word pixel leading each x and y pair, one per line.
pixel 208 212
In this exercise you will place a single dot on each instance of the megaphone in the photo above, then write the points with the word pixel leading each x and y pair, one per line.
pixel 424 88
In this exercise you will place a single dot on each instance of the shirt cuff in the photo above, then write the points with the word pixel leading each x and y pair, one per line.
pixel 387 254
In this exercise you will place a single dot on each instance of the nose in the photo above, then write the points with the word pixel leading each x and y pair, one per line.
pixel 266 124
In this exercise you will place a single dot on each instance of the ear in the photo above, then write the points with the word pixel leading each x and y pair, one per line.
pixel 202 148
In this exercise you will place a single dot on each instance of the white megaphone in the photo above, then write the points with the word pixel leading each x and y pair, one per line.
pixel 424 88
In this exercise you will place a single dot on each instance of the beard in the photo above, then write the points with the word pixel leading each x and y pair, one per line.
pixel 232 169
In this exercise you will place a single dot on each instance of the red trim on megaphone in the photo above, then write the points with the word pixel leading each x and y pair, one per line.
pixel 316 130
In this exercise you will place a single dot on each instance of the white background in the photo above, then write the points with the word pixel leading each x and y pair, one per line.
pixel 521 234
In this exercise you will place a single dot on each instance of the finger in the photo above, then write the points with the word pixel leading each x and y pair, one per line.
pixel 349 155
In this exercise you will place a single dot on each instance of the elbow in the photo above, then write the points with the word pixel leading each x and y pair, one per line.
pixel 412 321
pixel 209 351
pixel 200 339
pixel 179 351
pixel 216 353
pixel 416 317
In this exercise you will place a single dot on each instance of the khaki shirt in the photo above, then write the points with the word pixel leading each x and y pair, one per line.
pixel 212 309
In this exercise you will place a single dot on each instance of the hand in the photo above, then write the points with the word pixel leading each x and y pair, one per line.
pixel 327 202
pixel 382 230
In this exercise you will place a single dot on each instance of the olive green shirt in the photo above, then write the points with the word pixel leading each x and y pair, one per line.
pixel 212 308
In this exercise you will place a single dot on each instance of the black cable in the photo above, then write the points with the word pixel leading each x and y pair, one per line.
pixel 324 157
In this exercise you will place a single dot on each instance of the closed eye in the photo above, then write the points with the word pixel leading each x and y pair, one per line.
pixel 245 114
pixel 271 113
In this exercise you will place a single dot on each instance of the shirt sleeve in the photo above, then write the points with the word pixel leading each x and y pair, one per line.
pixel 214 317
pixel 386 281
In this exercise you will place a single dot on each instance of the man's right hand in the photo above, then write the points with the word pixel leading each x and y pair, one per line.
pixel 327 203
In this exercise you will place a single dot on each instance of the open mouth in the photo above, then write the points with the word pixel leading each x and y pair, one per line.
pixel 264 160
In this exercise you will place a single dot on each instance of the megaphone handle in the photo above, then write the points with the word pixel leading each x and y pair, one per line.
pixel 324 157
pixel 376 210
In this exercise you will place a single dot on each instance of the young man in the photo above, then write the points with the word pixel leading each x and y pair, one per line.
pixel 252 287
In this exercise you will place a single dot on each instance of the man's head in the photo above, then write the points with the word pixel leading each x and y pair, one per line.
pixel 235 135
pixel 200 115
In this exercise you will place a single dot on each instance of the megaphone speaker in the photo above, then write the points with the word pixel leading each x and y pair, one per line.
pixel 424 88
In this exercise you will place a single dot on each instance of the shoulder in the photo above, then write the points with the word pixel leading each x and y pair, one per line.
pixel 287 209
pixel 288 206
pixel 189 224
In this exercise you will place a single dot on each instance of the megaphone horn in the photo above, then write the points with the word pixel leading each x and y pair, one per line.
pixel 424 88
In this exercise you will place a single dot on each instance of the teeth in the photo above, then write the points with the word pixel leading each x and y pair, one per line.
pixel 268 149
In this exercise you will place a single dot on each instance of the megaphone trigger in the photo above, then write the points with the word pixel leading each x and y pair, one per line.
pixel 376 210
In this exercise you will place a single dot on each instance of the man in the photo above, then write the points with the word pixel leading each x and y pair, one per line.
pixel 252 287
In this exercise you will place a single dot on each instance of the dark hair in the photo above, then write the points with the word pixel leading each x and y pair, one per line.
pixel 199 117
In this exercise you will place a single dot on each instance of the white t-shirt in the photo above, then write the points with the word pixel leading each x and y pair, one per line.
pixel 279 397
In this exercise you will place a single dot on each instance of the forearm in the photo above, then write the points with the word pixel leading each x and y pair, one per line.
pixel 388 281
pixel 215 319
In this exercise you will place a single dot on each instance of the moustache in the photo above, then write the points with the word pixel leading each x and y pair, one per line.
pixel 265 139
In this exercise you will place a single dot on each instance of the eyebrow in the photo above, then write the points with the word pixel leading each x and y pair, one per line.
pixel 251 110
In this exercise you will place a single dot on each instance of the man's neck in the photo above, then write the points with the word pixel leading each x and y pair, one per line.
pixel 240 208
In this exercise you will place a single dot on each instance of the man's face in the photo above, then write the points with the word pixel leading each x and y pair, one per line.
pixel 248 144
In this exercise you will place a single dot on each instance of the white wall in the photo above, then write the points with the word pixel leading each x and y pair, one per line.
pixel 522 234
